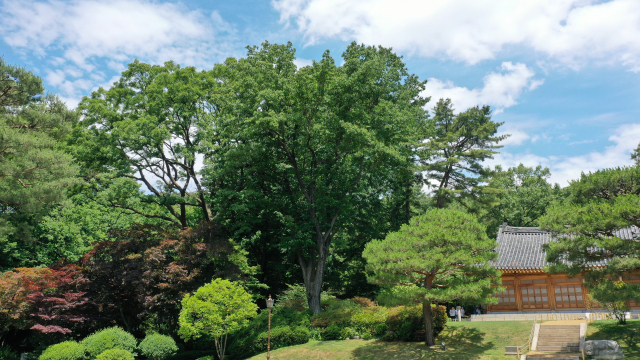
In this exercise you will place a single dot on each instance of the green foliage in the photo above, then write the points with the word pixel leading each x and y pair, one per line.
pixel 368 319
pixel 518 196
pixel 7 354
pixel 381 329
pixel 586 226
pixel 68 350
pixel 35 170
pixel 635 155
pixel 347 333
pixel 190 355
pixel 454 154
pixel 297 294
pixel 108 339
pixel 216 309
pixel 319 142
pixel 115 354
pixel 333 332
pixel 156 346
pixel 170 105
pixel 281 336
pixel 439 257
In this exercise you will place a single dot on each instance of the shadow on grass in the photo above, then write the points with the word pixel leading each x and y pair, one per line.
pixel 627 335
pixel 461 343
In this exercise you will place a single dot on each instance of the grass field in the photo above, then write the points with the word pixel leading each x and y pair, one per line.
pixel 628 336
pixel 466 340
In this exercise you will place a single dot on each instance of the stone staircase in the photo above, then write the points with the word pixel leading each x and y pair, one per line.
pixel 559 338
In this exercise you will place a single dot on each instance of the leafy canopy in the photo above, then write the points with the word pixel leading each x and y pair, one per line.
pixel 518 196
pixel 216 309
pixel 307 147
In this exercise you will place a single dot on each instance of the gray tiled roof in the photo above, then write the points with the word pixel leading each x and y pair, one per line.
pixel 521 247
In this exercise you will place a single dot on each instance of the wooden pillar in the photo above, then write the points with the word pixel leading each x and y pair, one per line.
pixel 551 293
pixel 516 282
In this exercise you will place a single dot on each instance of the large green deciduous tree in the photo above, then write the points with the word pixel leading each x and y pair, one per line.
pixel 309 145
pixel 216 309
pixel 147 127
pixel 35 171
pixel 518 196
pixel 459 144
pixel 439 257
pixel 585 225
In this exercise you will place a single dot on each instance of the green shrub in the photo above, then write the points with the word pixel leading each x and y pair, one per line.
pixel 7 354
pixel 107 339
pixel 115 354
pixel 157 347
pixel 389 336
pixel 280 337
pixel 209 357
pixel 333 332
pixel 367 319
pixel 414 331
pixel 347 333
pixel 191 355
pixel 381 329
pixel 406 332
pixel 68 350
pixel 366 336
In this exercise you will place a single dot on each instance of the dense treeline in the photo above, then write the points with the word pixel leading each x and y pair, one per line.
pixel 254 171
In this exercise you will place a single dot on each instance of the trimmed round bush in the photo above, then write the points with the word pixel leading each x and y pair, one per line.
pixel 115 354
pixel 107 339
pixel 157 347
pixel 68 350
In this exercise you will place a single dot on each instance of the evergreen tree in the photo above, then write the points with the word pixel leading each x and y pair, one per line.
pixel 35 171
pixel 586 227
pixel 439 257
pixel 452 156
pixel 635 155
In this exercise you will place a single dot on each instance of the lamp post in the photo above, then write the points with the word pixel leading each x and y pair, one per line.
pixel 269 305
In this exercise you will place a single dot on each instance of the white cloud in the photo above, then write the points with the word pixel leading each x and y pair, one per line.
pixel 113 31
pixel 501 90
pixel 567 31
pixel 563 168
pixel 516 137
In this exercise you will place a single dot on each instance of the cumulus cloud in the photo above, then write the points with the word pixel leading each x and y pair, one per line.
pixel 563 168
pixel 567 31
pixel 87 33
pixel 500 90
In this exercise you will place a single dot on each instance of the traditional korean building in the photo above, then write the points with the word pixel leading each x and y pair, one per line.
pixel 528 287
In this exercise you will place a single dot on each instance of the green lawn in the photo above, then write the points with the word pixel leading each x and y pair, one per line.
pixel 467 340
pixel 628 336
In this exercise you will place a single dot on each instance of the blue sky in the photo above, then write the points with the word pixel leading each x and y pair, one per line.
pixel 563 75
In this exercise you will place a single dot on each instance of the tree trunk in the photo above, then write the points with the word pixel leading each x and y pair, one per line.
pixel 429 338
pixel 312 275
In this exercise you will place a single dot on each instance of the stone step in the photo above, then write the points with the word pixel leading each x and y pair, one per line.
pixel 566 349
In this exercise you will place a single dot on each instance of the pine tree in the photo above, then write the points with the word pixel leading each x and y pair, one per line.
pixel 586 227
pixel 439 257
pixel 452 157
pixel 35 172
